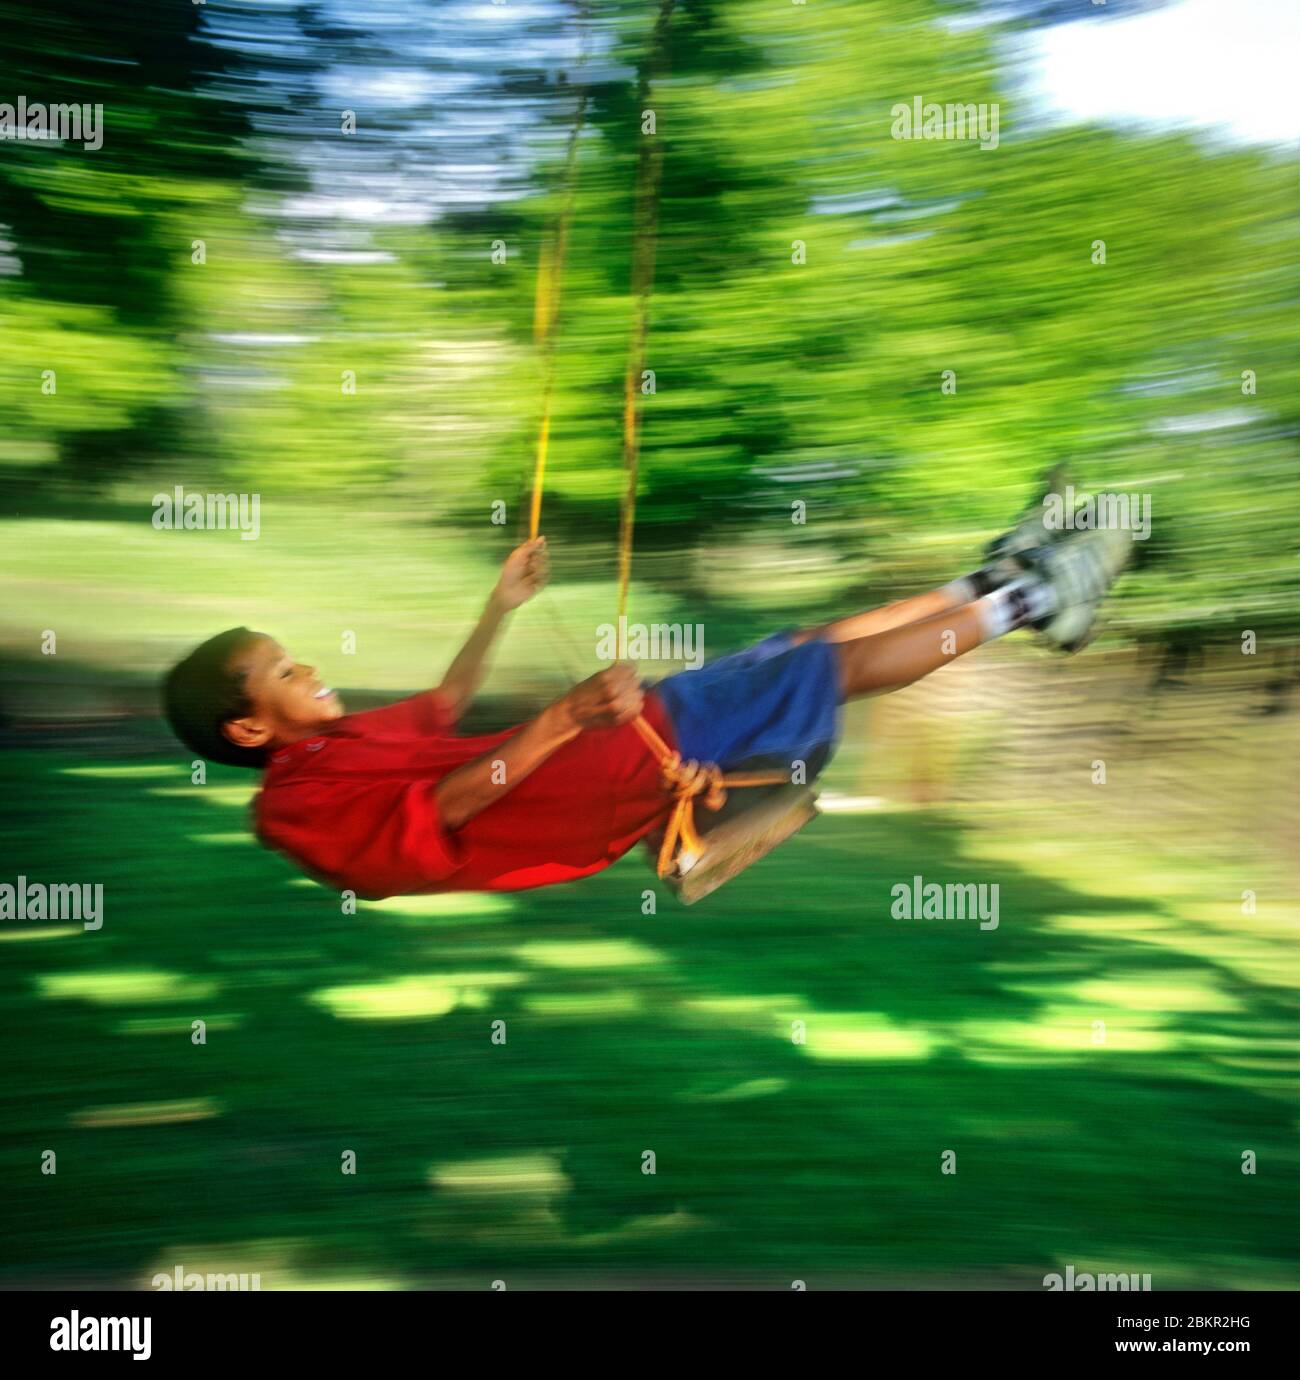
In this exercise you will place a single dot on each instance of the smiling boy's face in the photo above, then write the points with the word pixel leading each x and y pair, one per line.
pixel 289 699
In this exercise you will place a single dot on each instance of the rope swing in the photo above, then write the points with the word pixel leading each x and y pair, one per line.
pixel 687 782
pixel 546 309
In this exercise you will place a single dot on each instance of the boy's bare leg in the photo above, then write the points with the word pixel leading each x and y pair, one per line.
pixel 900 655
pixel 887 648
pixel 889 660
pixel 870 622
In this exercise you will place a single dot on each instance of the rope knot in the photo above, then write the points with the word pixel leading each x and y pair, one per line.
pixel 691 780
pixel 688 782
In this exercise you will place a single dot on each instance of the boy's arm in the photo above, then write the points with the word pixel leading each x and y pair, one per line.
pixel 609 698
pixel 522 575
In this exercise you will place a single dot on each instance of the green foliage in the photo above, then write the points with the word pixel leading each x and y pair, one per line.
pixel 815 277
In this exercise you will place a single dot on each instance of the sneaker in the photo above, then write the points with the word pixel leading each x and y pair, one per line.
pixel 1079 569
pixel 1005 555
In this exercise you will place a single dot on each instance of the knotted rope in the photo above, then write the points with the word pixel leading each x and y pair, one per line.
pixel 691 781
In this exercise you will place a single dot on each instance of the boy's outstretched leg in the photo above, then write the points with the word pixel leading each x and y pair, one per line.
pixel 1058 594
pixel 1005 560
pixel 870 622
pixel 892 659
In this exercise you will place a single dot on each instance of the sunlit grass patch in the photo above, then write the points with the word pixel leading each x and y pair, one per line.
pixel 244 838
pixel 232 796
pixel 8 936
pixel 124 987
pixel 1272 1058
pixel 1259 949
pixel 155 769
pixel 862 1035
pixel 173 1026
pixel 833 803
pixel 757 1015
pixel 147 1113
pixel 589 953
pixel 1247 947
pixel 535 1175
pixel 414 997
pixel 264 1265
pixel 644 1229
pixel 455 904
pixel 738 1092
pixel 1120 924
pixel 436 910
pixel 1062 1031
pixel 1181 990
pixel 584 1005
pixel 300 1283
pixel 822 1035
pixel 510 1200
pixel 1065 860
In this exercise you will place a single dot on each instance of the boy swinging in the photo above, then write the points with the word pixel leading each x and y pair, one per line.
pixel 393 801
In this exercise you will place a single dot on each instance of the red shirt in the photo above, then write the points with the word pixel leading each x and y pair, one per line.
pixel 355 805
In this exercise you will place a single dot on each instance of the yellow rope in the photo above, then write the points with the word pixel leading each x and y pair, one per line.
pixel 645 222
pixel 686 781
pixel 546 311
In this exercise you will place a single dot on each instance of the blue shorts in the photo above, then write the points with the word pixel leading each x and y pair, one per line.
pixel 766 706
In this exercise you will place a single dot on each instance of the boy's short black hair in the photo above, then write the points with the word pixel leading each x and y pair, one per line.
pixel 201 693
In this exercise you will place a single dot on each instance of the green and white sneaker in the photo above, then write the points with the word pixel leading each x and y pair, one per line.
pixel 1078 570
pixel 1005 555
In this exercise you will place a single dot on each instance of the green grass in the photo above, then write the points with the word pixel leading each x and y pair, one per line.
pixel 121 596
pixel 628 1033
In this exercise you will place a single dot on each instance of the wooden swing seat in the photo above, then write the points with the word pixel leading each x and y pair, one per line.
pixel 743 831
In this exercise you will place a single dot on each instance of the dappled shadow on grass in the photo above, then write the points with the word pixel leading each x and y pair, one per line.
pixel 625 1033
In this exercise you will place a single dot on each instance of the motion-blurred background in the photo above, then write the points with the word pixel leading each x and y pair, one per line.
pixel 302 266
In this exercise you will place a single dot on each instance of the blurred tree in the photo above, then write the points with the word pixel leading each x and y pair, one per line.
pixel 366 324
pixel 95 230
